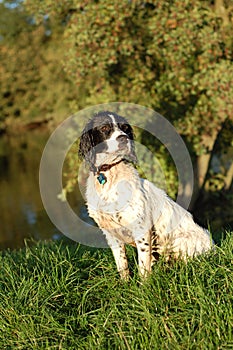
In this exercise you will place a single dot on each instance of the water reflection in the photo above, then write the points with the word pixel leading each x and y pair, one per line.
pixel 21 210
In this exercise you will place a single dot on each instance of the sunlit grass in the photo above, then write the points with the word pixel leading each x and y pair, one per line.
pixel 62 296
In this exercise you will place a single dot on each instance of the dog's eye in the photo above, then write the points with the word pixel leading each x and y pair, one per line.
pixel 105 128
pixel 125 127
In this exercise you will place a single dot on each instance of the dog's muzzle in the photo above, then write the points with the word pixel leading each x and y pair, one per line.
pixel 122 140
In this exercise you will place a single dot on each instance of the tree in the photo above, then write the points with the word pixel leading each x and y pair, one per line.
pixel 33 87
pixel 174 56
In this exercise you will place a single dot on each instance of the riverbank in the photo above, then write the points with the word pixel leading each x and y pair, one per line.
pixel 63 296
pixel 12 126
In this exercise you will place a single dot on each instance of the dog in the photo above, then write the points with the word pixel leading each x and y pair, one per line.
pixel 129 209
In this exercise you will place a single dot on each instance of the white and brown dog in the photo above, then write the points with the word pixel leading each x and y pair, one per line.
pixel 129 209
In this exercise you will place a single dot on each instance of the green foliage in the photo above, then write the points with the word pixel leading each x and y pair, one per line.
pixel 60 296
pixel 33 84
pixel 173 56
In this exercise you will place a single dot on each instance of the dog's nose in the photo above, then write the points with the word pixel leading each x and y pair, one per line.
pixel 122 138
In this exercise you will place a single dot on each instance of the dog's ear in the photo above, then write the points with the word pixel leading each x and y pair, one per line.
pixel 132 137
pixel 84 144
pixel 86 147
pixel 131 133
pixel 133 154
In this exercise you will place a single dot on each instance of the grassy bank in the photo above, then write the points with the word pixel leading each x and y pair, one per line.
pixel 58 296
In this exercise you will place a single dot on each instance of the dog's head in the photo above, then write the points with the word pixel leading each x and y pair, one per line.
pixel 107 138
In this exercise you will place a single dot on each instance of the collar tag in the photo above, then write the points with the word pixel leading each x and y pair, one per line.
pixel 102 179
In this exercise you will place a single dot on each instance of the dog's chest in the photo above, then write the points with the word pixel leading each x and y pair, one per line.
pixel 118 205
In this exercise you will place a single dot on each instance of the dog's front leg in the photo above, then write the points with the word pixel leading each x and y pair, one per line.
pixel 144 254
pixel 121 260
pixel 118 250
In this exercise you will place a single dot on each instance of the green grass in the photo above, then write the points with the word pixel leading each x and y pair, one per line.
pixel 63 296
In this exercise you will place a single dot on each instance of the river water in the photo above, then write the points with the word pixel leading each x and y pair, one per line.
pixel 22 214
